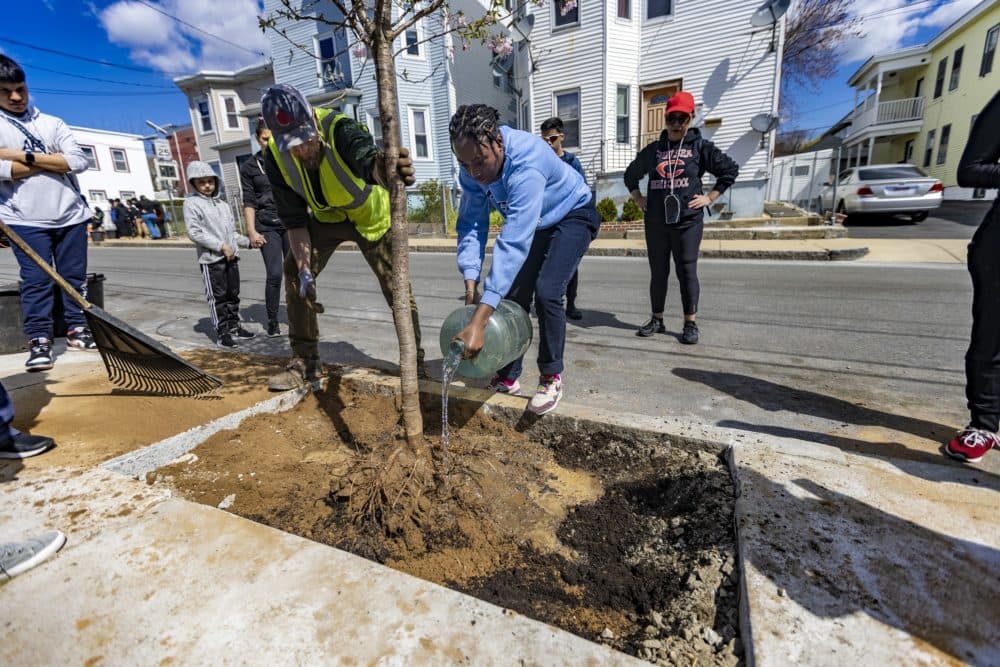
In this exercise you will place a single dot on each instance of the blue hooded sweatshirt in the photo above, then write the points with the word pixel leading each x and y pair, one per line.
pixel 535 190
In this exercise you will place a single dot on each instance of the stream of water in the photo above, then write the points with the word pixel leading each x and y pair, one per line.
pixel 449 367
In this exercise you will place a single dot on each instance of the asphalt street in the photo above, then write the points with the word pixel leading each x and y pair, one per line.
pixel 954 220
pixel 845 352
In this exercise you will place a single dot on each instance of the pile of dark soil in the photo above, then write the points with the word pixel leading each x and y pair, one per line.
pixel 623 542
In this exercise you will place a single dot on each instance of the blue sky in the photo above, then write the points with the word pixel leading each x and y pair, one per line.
pixel 146 35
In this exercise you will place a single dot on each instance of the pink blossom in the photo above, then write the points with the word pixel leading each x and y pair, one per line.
pixel 567 7
pixel 500 45
pixel 359 51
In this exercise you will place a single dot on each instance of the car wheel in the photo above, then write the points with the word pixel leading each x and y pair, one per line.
pixel 918 216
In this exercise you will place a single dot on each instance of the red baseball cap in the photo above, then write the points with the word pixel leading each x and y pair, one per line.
pixel 681 101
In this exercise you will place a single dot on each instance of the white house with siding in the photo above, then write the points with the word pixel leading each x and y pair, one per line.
pixel 118 167
pixel 607 69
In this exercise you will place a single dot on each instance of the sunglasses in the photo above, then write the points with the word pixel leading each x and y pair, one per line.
pixel 553 138
pixel 677 118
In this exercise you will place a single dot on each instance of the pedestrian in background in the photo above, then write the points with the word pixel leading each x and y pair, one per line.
pixel 554 134
pixel 264 227
pixel 675 206
pixel 211 226
pixel 40 199
pixel 978 168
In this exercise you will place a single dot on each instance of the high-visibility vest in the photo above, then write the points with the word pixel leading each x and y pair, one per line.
pixel 347 197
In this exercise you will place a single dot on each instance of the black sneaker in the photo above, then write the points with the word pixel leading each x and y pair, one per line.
pixel 22 445
pixel 239 332
pixel 653 326
pixel 273 330
pixel 690 334
pixel 572 312
pixel 40 355
pixel 80 338
pixel 225 340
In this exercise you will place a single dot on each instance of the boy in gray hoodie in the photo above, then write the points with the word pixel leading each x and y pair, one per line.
pixel 210 225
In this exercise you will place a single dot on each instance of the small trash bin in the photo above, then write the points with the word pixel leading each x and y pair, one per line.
pixel 95 295
pixel 11 321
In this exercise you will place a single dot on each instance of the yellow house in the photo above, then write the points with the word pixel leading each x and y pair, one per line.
pixel 917 104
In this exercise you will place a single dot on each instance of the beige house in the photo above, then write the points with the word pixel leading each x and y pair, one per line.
pixel 917 104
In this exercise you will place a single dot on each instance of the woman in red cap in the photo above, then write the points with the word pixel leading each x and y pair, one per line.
pixel 674 208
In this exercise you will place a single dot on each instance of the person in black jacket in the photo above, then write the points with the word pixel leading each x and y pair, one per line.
pixel 674 208
pixel 264 227
pixel 978 168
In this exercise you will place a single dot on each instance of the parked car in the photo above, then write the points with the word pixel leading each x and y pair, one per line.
pixel 883 188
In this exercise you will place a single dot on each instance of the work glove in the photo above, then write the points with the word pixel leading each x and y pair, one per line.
pixel 307 285
pixel 404 169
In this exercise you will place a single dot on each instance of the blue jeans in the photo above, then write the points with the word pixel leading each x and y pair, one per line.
pixel 552 260
pixel 150 220
pixel 66 249
pixel 7 432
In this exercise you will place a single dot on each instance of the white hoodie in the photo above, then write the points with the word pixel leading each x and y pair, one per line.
pixel 47 199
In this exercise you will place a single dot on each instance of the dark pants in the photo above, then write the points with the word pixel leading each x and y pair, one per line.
pixel 552 260
pixel 7 431
pixel 66 249
pixel 982 361
pixel 682 242
pixel 273 252
pixel 222 289
pixel 571 288
pixel 303 329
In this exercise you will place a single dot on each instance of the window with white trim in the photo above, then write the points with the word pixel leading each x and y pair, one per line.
pixel 412 38
pixel 119 160
pixel 91 156
pixel 942 155
pixel 929 148
pixel 375 127
pixel 420 135
pixel 168 171
pixel 989 50
pixel 956 69
pixel 622 115
pixel 327 63
pixel 568 109
pixel 126 194
pixel 97 196
pixel 624 9
pixel 230 107
pixel 658 8
pixel 204 114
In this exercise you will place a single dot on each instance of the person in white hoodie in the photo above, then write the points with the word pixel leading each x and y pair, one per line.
pixel 40 200
pixel 210 225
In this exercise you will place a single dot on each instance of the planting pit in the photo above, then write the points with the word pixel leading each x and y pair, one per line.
pixel 613 534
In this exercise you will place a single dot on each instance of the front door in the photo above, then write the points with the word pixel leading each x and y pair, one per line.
pixel 654 104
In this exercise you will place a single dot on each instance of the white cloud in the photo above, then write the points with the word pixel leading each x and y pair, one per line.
pixel 946 14
pixel 171 46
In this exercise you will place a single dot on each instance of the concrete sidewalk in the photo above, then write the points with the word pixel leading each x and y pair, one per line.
pixel 948 251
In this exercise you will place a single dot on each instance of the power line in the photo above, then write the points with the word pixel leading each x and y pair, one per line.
pixel 94 78
pixel 133 68
pixel 202 31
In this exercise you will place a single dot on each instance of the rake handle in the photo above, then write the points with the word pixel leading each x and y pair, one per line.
pixel 44 266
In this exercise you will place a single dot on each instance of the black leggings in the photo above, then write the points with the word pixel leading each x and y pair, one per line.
pixel 273 252
pixel 982 361
pixel 682 241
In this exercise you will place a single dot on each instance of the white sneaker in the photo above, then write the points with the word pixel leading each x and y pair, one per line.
pixel 547 395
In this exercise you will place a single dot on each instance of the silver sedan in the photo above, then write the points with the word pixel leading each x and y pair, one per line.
pixel 884 188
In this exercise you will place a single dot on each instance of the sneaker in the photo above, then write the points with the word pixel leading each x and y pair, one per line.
pixel 547 395
pixel 972 444
pixel 297 374
pixel 504 386
pixel 653 326
pixel 573 313
pixel 19 557
pixel 690 334
pixel 22 445
pixel 40 355
pixel 273 330
pixel 239 332
pixel 225 340
pixel 80 338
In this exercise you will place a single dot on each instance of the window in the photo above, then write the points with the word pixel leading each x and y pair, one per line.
pixel 929 148
pixel 565 17
pixel 525 116
pixel 657 8
pixel 568 108
pixel 621 115
pixel 939 82
pixel 918 90
pixel 168 171
pixel 375 127
pixel 97 196
pixel 330 72
pixel 204 114
pixel 908 151
pixel 420 138
pixel 943 144
pixel 231 110
pixel 890 173
pixel 126 194
pixel 624 9
pixel 956 68
pixel 497 78
pixel 119 159
pixel 989 50
pixel 800 170
pixel 412 37
pixel 91 156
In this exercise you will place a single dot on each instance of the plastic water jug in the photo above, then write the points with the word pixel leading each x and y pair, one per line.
pixel 507 337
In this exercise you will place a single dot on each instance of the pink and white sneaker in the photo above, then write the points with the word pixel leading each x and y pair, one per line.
pixel 972 444
pixel 504 386
pixel 547 395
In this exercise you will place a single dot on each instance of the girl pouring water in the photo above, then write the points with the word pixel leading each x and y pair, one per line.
pixel 674 208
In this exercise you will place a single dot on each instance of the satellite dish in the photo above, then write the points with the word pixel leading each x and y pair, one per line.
pixel 769 13
pixel 519 27
pixel 764 122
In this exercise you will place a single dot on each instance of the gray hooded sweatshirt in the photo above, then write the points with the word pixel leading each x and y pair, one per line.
pixel 209 220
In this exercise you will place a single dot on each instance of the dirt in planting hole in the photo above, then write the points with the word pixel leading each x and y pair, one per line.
pixel 625 543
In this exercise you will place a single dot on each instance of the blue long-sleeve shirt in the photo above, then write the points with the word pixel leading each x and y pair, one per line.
pixel 535 190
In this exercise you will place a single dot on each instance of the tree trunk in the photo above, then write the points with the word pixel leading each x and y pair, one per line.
pixel 389 114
